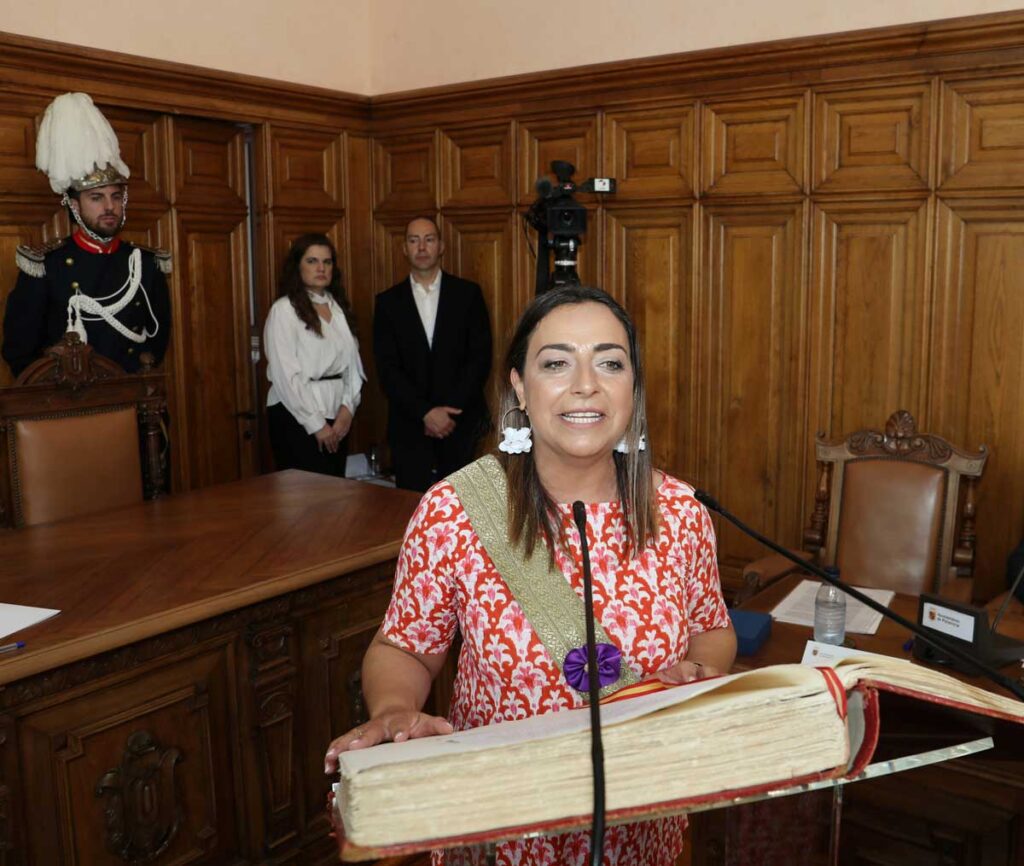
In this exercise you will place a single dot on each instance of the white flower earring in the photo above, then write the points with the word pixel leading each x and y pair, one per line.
pixel 622 446
pixel 515 440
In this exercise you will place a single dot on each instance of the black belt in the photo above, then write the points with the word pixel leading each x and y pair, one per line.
pixel 328 378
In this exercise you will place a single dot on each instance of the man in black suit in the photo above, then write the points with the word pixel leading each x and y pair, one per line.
pixel 432 344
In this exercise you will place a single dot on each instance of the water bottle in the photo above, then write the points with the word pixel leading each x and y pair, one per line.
pixel 830 612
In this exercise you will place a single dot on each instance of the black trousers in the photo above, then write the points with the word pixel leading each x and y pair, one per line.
pixel 294 448
pixel 422 464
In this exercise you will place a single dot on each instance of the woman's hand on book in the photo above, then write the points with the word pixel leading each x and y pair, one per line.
pixel 395 726
pixel 685 671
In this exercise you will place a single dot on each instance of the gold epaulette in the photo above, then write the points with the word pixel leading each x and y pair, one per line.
pixel 163 258
pixel 32 260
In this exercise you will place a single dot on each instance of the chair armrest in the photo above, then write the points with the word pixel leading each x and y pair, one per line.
pixel 764 572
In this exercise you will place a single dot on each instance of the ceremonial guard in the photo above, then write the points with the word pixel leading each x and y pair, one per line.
pixel 111 292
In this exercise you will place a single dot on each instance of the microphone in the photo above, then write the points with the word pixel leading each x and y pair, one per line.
pixel 579 514
pixel 709 502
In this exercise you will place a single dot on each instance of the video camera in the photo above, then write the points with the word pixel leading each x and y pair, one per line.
pixel 560 222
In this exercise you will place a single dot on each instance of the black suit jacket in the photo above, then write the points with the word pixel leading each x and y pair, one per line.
pixel 416 376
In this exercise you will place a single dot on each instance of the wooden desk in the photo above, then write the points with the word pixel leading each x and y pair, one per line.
pixel 177 710
pixel 967 811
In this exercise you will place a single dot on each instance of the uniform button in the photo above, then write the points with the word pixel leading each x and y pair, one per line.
pixel 69 261
pixel 138 303
pixel 131 351
pixel 74 284
pixel 137 329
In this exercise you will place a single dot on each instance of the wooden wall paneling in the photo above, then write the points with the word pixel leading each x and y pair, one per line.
pixel 755 145
pixel 981 143
pixel 142 138
pixel 212 342
pixel 19 123
pixel 652 151
pixel 868 314
pixel 479 246
pixel 370 419
pixel 477 165
pixel 209 162
pixel 214 388
pixel 648 268
pixel 977 389
pixel 544 139
pixel 873 138
pixel 159 746
pixel 750 371
pixel 307 168
pixel 405 172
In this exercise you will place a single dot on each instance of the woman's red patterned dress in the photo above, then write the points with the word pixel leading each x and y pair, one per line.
pixel 649 607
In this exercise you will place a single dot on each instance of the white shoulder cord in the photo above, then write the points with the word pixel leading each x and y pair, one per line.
pixel 83 308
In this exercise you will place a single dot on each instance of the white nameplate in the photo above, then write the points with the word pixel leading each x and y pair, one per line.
pixel 948 620
pixel 817 654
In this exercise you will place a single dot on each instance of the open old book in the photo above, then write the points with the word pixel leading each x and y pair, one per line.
pixel 665 751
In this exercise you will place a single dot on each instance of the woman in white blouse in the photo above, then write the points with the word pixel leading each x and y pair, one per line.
pixel 313 362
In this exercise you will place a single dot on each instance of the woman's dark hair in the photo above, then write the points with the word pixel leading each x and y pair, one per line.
pixel 532 514
pixel 291 285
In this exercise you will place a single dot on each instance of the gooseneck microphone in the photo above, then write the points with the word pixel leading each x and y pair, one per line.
pixel 709 502
pixel 579 513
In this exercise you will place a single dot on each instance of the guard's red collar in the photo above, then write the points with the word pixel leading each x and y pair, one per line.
pixel 90 246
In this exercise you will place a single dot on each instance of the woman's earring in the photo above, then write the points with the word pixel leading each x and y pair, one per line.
pixel 623 447
pixel 515 440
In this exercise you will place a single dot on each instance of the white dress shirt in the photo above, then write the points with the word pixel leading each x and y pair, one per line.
pixel 426 298
pixel 297 357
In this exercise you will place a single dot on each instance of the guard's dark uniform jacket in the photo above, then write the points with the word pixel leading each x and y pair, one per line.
pixel 37 309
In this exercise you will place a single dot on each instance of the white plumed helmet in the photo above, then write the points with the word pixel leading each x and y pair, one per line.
pixel 76 147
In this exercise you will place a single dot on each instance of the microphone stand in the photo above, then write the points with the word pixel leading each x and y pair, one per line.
pixel 943 646
pixel 579 514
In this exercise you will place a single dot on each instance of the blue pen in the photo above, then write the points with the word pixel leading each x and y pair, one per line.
pixel 11 647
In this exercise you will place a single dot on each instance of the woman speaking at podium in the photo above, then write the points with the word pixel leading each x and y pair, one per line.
pixel 492 550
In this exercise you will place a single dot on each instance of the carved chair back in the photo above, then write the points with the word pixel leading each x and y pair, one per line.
pixel 888 507
pixel 77 435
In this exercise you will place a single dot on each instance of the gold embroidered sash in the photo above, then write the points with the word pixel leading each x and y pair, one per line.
pixel 555 612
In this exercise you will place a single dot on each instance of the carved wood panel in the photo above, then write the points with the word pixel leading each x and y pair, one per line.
pixel 405 172
pixel 649 270
pixel 136 771
pixel 333 642
pixel 977 386
pixel 142 137
pixel 19 123
pixel 651 152
pixel 211 339
pixel 476 166
pixel 751 306
pixel 479 247
pixel 981 144
pixel 868 314
pixel 542 140
pixel 209 166
pixel 307 168
pixel 873 138
pixel 755 145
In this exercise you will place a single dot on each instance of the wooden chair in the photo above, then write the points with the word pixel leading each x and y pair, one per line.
pixel 77 435
pixel 887 512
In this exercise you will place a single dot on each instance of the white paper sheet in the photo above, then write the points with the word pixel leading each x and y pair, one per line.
pixel 798 608
pixel 15 617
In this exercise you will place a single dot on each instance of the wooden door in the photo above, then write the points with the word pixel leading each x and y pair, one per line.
pixel 215 417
